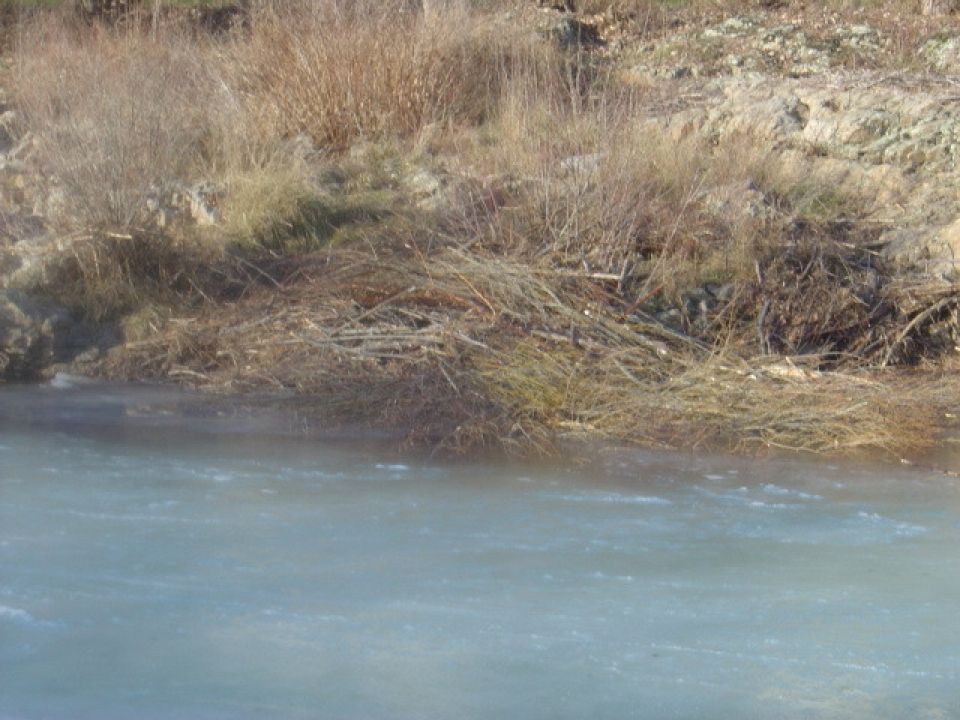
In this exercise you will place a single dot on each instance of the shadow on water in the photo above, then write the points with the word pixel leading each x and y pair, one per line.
pixel 148 415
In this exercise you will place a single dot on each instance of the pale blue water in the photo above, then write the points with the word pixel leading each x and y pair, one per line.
pixel 158 560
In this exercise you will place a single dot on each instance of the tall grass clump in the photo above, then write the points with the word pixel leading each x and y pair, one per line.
pixel 596 191
pixel 119 117
pixel 338 71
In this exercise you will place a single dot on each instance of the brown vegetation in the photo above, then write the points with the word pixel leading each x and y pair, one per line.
pixel 340 71
pixel 117 117
pixel 568 270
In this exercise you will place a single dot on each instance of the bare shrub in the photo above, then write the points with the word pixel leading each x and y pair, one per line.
pixel 342 70
pixel 594 191
pixel 119 118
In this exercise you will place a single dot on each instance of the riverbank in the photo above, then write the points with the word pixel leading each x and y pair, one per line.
pixel 625 221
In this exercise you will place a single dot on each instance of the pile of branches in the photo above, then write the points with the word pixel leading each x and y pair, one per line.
pixel 462 350
pixel 840 302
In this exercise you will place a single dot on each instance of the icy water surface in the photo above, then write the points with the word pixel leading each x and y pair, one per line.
pixel 158 561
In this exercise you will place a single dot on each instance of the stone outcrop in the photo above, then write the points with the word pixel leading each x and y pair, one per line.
pixel 756 44
pixel 34 334
pixel 937 7
pixel 28 336
pixel 890 139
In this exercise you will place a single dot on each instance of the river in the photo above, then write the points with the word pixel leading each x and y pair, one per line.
pixel 161 558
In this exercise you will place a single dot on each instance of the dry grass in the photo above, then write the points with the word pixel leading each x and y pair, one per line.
pixel 266 204
pixel 549 292
pixel 467 351
pixel 124 119
pixel 339 71
pixel 120 119
pixel 106 276
pixel 705 401
pixel 588 189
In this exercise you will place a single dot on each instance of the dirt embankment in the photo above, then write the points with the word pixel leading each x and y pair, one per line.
pixel 663 227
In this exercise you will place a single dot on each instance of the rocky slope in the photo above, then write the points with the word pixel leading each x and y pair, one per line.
pixel 886 129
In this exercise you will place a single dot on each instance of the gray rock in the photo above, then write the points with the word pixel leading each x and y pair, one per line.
pixel 734 27
pixel 723 293
pixel 8 120
pixel 571 33
pixel 27 336
pixel 180 203
pixel 937 7
pixel 38 337
pixel 932 250
pixel 582 163
pixel 943 53
pixel 199 201
pixel 425 187
pixel 698 302
pixel 51 204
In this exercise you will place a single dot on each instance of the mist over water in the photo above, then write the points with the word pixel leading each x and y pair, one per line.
pixel 161 559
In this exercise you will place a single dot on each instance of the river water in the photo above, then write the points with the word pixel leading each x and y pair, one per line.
pixel 160 558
